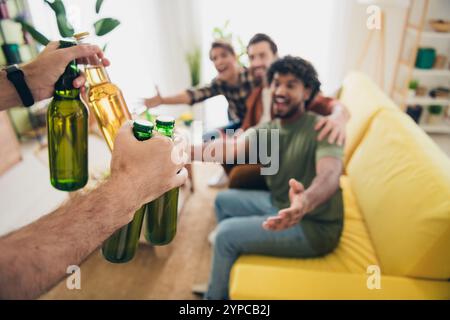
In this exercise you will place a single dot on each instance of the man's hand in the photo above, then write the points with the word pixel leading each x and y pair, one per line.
pixel 154 101
pixel 146 169
pixel 42 73
pixel 289 217
pixel 332 126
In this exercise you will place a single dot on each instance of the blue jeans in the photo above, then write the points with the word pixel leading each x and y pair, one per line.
pixel 240 214
pixel 217 133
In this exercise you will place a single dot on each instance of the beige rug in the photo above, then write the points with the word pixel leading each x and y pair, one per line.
pixel 156 272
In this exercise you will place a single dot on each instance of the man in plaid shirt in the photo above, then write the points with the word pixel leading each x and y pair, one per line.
pixel 233 82
pixel 236 95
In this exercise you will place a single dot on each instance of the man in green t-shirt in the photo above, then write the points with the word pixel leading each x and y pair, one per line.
pixel 302 214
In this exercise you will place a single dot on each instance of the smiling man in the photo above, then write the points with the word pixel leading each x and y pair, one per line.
pixel 262 52
pixel 302 213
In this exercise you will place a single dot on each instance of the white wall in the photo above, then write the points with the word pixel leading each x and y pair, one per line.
pixel 358 34
pixel 298 27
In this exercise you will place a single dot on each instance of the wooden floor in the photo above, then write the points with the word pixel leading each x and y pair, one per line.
pixel 156 272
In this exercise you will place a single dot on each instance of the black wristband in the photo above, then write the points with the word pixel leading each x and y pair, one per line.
pixel 17 78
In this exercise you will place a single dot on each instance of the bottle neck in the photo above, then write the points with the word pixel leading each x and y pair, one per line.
pixel 66 94
pixel 64 86
pixel 96 74
pixel 69 94
pixel 93 68
pixel 165 130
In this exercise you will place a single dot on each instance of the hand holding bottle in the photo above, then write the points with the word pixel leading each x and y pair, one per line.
pixel 145 169
pixel 42 73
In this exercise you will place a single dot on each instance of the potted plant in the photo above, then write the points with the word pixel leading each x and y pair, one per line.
pixel 102 26
pixel 187 118
pixel 194 60
pixel 435 113
pixel 412 87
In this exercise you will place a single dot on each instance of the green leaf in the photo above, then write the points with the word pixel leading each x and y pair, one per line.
pixel 105 25
pixel 98 5
pixel 65 28
pixel 39 37
pixel 57 6
pixel 194 61
pixel 104 47
pixel 241 43
pixel 217 33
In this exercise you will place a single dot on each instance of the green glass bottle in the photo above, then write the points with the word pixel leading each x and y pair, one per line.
pixel 162 213
pixel 67 123
pixel 122 245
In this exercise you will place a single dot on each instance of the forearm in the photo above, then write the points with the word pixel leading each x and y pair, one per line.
pixel 36 257
pixel 219 150
pixel 8 94
pixel 213 151
pixel 181 98
pixel 324 184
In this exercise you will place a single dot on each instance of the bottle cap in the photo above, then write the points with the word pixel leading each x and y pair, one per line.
pixel 143 126
pixel 81 35
pixel 165 121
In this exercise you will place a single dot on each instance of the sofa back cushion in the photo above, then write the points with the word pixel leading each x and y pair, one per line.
pixel 401 180
pixel 363 99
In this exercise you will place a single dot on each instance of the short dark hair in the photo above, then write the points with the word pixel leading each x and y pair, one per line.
pixel 222 44
pixel 301 69
pixel 261 37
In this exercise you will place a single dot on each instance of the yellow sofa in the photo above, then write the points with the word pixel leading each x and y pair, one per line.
pixel 396 190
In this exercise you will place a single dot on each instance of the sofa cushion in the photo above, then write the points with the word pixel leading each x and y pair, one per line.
pixel 363 99
pixel 401 180
pixel 353 255
pixel 262 281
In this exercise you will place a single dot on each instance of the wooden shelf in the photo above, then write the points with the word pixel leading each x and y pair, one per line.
pixel 428 100
pixel 432 34
pixel 443 128
pixel 416 33
pixel 432 72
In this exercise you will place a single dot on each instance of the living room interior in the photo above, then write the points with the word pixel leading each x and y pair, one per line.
pixel 387 62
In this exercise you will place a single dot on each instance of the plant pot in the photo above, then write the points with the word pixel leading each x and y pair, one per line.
pixel 425 58
pixel 421 91
pixel 415 112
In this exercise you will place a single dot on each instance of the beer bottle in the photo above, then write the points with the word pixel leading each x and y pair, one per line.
pixel 104 98
pixel 67 123
pixel 122 245
pixel 161 214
